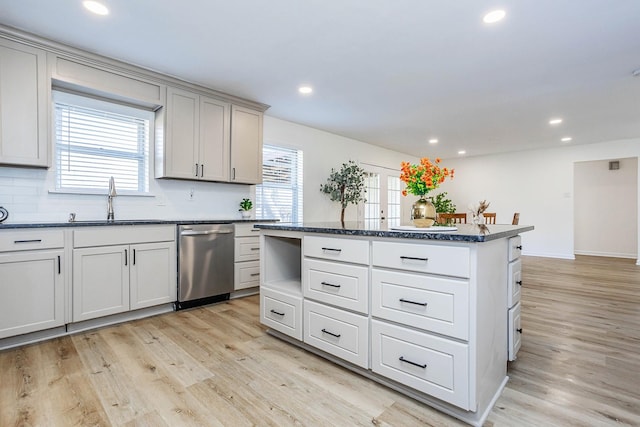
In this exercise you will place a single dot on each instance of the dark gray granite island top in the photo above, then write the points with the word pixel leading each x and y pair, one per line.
pixel 463 233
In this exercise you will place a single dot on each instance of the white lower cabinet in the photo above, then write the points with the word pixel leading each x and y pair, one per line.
pixel 31 291
pixel 425 362
pixel 337 332
pixel 515 331
pixel 282 312
pixel 116 278
pixel 246 267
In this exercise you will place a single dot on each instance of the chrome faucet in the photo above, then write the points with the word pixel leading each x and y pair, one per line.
pixel 112 194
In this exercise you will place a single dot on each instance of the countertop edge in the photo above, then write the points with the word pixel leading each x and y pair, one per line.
pixel 98 223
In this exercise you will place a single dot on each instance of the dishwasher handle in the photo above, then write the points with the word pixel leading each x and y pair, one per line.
pixel 204 232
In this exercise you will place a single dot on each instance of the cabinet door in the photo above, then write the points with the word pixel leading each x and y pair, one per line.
pixel 31 291
pixel 23 105
pixel 100 281
pixel 246 145
pixel 214 140
pixel 153 274
pixel 183 133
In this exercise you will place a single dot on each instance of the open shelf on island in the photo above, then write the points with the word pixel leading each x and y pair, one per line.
pixel 289 287
pixel 282 264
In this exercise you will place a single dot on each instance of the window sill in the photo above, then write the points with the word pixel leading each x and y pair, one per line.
pixel 102 193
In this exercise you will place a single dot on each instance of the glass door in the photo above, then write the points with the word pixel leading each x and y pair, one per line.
pixel 382 206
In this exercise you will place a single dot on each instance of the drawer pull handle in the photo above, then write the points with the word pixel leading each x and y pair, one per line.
pixel 330 284
pixel 255 230
pixel 424 304
pixel 332 249
pixel 255 249
pixel 413 258
pixel 28 241
pixel 277 312
pixel 519 330
pixel 419 365
pixel 519 282
pixel 519 247
pixel 255 274
pixel 331 333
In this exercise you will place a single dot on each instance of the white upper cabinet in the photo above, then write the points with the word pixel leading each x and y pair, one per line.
pixel 24 95
pixel 246 145
pixel 208 139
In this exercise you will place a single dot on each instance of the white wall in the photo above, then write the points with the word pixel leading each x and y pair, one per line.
pixel 606 208
pixel 25 192
pixel 323 151
pixel 538 184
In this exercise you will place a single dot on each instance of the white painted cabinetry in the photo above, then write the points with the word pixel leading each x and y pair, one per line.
pixel 196 143
pixel 246 145
pixel 246 271
pixel 24 105
pixel 203 138
pixel 117 269
pixel 31 281
pixel 513 295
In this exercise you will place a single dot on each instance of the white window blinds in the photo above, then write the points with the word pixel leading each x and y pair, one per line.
pixel 97 139
pixel 280 194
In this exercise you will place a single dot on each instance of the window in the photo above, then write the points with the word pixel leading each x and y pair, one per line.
pixel 280 194
pixel 97 139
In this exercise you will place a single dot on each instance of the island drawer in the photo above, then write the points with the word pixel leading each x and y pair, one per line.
pixel 423 257
pixel 515 247
pixel 342 285
pixel 515 331
pixel 431 303
pixel 247 248
pixel 343 334
pixel 433 365
pixel 336 249
pixel 281 312
pixel 515 281
pixel 27 240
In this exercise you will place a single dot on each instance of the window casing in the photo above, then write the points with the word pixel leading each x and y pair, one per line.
pixel 97 139
pixel 280 194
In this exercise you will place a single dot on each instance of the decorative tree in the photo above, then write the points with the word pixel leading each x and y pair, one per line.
pixel 346 185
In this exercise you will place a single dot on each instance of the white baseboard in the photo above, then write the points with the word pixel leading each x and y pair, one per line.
pixel 607 254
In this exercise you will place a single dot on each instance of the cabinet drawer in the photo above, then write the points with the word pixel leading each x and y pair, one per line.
pixel 515 281
pixel 436 304
pixel 123 235
pixel 347 250
pixel 515 331
pixel 281 312
pixel 26 240
pixel 430 364
pixel 515 247
pixel 247 248
pixel 246 274
pixel 246 229
pixel 343 285
pixel 422 257
pixel 343 334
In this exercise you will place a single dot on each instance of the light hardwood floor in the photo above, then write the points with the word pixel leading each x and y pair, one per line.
pixel 579 366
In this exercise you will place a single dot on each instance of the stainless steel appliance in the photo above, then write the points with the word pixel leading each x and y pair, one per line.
pixel 205 262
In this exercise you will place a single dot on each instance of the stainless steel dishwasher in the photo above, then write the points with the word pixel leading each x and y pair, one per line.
pixel 205 263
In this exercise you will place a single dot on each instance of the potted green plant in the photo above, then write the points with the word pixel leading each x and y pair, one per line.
pixel 345 185
pixel 245 208
pixel 442 205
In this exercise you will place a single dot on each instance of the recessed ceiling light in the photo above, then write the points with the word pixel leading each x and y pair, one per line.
pixel 305 90
pixel 494 16
pixel 566 139
pixel 433 141
pixel 95 7
pixel 462 152
pixel 555 121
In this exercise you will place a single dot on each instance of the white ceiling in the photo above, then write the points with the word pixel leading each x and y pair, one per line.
pixel 392 73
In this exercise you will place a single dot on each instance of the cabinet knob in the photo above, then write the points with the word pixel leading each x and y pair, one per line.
pixel 519 330
pixel 519 282
pixel 519 247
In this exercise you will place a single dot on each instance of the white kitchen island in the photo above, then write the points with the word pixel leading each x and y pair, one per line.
pixel 430 314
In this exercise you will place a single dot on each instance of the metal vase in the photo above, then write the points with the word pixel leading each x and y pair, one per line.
pixel 423 213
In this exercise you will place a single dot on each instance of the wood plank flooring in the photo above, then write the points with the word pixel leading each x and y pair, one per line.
pixel 215 366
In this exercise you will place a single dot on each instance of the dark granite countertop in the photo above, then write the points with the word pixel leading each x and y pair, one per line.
pixel 464 232
pixel 98 223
